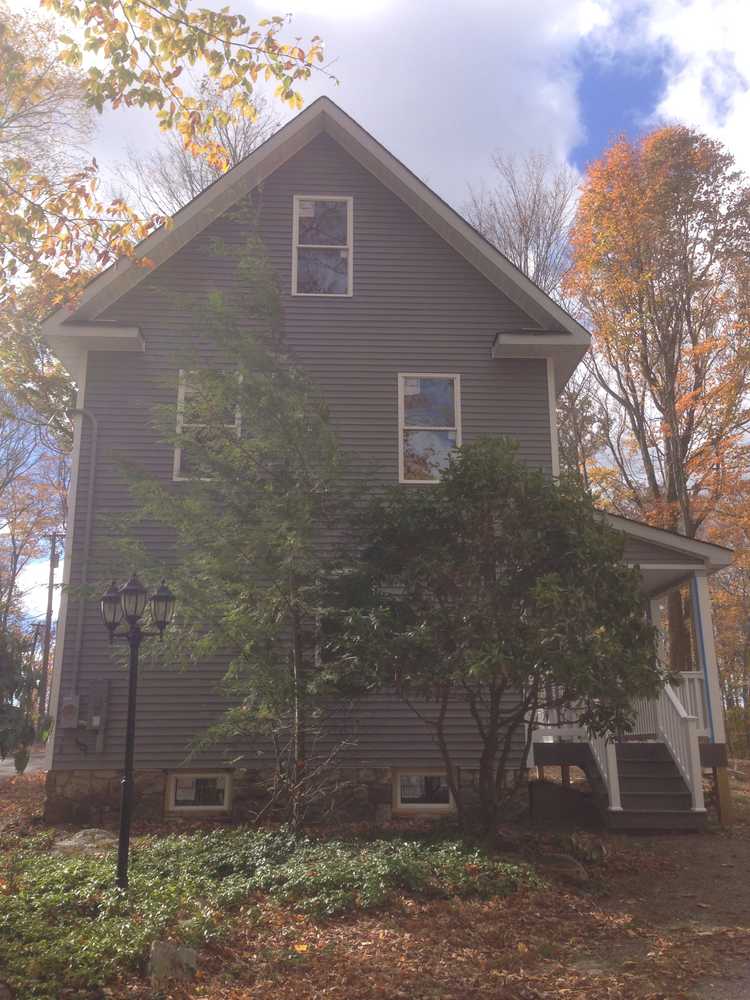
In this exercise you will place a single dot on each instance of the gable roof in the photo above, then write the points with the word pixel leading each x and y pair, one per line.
pixel 61 329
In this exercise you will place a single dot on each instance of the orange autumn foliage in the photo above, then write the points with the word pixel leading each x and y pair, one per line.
pixel 660 268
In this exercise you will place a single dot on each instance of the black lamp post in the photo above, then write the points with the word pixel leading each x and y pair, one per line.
pixel 126 606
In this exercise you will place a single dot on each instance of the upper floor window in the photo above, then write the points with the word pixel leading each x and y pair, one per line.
pixel 322 253
pixel 203 415
pixel 429 411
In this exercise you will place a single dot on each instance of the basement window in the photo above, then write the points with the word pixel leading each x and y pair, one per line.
pixel 421 791
pixel 322 246
pixel 198 792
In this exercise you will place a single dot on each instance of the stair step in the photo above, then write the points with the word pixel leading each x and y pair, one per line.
pixel 643 751
pixel 656 800
pixel 656 819
pixel 647 768
pixel 652 784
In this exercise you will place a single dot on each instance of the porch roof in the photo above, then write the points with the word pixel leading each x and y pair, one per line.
pixel 666 558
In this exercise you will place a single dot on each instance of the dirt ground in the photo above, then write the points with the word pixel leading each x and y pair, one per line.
pixel 664 917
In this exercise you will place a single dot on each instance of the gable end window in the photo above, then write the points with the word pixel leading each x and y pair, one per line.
pixel 192 428
pixel 322 262
pixel 429 416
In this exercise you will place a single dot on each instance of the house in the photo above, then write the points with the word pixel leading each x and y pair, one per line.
pixel 388 294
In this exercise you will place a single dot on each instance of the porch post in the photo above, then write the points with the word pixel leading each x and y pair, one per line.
pixel 704 644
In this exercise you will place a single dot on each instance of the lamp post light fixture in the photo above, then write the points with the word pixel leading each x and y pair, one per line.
pixel 122 609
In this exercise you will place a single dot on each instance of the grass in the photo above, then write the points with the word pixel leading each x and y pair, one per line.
pixel 65 926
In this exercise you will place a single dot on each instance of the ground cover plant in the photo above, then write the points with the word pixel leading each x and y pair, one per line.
pixel 661 918
pixel 65 926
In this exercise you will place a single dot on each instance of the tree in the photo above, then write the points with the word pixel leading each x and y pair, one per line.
pixel 53 224
pixel 165 180
pixel 500 588
pixel 528 214
pixel 33 487
pixel 660 250
pixel 261 465
pixel 50 215
pixel 17 687
pixel 43 122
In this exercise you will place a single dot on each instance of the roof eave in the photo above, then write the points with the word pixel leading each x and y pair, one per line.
pixel 565 350
pixel 714 557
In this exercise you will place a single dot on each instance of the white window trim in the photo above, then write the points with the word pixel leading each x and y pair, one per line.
pixel 402 376
pixel 171 791
pixel 181 386
pixel 422 808
pixel 298 198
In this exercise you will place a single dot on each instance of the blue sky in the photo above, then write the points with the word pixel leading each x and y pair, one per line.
pixel 445 84
pixel 616 95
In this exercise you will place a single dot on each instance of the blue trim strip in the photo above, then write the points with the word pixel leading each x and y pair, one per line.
pixel 698 623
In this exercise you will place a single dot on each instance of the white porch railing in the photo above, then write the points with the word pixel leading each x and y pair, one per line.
pixel 692 694
pixel 559 724
pixel 605 755
pixel 678 730
pixel 666 719
pixel 646 718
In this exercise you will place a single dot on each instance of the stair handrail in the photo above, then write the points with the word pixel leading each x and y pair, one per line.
pixel 679 732
pixel 605 754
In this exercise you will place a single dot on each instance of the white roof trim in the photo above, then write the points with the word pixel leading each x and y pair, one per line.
pixel 714 557
pixel 564 350
pixel 321 116
pixel 69 343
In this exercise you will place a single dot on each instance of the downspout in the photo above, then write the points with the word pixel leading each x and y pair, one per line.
pixel 87 532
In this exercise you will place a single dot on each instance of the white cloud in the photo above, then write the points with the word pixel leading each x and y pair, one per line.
pixel 707 59
pixel 33 582
pixel 444 87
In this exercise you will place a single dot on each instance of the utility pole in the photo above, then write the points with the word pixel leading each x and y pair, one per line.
pixel 54 560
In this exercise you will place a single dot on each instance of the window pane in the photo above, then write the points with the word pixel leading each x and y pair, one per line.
pixel 323 222
pixel 429 402
pixel 199 791
pixel 322 272
pixel 424 789
pixel 199 450
pixel 426 453
pixel 210 397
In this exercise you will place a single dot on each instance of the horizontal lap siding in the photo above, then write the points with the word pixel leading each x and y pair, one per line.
pixel 387 731
pixel 642 552
pixel 417 306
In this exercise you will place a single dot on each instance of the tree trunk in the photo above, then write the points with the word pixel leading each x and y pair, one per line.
pixel 487 771
pixel 680 651
pixel 450 771
pixel 298 724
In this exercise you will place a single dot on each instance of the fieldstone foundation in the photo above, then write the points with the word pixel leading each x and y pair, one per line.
pixel 92 798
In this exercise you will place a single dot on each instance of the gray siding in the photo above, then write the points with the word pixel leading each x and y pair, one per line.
pixel 645 553
pixel 417 306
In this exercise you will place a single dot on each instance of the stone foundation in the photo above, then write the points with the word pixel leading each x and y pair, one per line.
pixel 92 798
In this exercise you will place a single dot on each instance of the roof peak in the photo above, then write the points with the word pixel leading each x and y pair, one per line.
pixel 323 114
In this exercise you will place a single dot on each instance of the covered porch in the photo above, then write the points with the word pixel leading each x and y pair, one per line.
pixel 653 777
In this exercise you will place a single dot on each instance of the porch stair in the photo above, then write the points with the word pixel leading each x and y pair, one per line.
pixel 653 793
